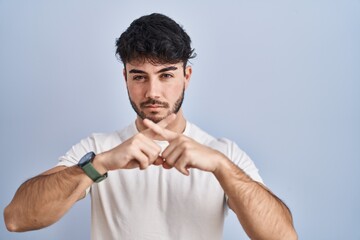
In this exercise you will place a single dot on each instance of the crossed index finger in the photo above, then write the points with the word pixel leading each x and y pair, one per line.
pixel 159 130
pixel 162 124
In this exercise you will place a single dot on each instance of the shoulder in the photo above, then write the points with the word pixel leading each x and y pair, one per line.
pixel 205 138
pixel 109 140
pixel 224 145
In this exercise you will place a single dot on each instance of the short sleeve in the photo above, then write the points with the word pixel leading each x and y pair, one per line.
pixel 73 156
pixel 243 161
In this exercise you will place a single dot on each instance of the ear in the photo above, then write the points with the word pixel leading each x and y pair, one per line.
pixel 188 72
pixel 124 74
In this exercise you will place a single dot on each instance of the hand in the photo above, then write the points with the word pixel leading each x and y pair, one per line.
pixel 138 151
pixel 184 152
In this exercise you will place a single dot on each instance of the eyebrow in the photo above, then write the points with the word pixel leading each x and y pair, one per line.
pixel 171 68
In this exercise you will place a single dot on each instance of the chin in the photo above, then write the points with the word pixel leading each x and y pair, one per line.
pixel 157 117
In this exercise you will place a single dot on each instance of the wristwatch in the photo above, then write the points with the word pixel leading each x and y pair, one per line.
pixel 88 168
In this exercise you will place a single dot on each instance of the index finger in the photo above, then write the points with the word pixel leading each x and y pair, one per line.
pixel 163 123
pixel 166 121
pixel 161 131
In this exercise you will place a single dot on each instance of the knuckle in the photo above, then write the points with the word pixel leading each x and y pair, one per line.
pixel 187 155
pixel 178 165
pixel 144 165
pixel 133 142
pixel 154 155
pixel 185 145
pixel 133 146
pixel 140 137
pixel 158 149
pixel 169 162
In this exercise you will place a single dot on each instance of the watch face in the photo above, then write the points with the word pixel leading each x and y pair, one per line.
pixel 86 159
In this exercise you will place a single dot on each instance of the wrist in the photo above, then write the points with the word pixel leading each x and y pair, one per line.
pixel 227 170
pixel 222 163
pixel 86 163
pixel 98 163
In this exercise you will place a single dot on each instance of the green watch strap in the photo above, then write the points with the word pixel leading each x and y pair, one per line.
pixel 88 168
pixel 92 173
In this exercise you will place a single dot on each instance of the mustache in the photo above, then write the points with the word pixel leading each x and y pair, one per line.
pixel 152 101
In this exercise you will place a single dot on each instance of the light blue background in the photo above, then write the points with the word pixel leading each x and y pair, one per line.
pixel 281 78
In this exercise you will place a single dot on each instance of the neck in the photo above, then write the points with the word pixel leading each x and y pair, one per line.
pixel 178 125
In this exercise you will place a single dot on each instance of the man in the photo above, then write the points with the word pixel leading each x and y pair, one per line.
pixel 162 177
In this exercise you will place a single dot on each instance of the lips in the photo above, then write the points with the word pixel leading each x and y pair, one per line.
pixel 154 106
pixel 154 103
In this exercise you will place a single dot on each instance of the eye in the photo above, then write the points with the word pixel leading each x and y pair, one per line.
pixel 138 78
pixel 166 76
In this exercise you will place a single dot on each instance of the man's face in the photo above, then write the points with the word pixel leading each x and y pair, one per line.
pixel 156 91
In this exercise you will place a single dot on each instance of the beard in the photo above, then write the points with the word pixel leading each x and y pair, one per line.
pixel 152 115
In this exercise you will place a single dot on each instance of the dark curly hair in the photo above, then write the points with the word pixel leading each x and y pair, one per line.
pixel 155 38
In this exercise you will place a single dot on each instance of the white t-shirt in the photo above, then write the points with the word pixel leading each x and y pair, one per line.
pixel 157 203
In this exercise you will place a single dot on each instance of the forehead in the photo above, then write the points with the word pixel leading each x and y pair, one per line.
pixel 149 67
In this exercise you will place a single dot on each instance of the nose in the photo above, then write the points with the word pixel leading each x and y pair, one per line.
pixel 153 89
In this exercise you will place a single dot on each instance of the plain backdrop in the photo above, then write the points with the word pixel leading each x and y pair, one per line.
pixel 281 78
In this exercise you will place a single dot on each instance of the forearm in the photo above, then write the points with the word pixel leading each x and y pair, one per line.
pixel 262 214
pixel 44 199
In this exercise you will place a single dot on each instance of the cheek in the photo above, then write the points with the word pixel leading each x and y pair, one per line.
pixel 174 92
pixel 134 92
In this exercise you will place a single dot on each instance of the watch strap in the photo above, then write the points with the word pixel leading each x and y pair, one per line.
pixel 85 164
pixel 93 173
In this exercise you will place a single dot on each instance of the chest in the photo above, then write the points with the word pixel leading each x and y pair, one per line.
pixel 161 190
